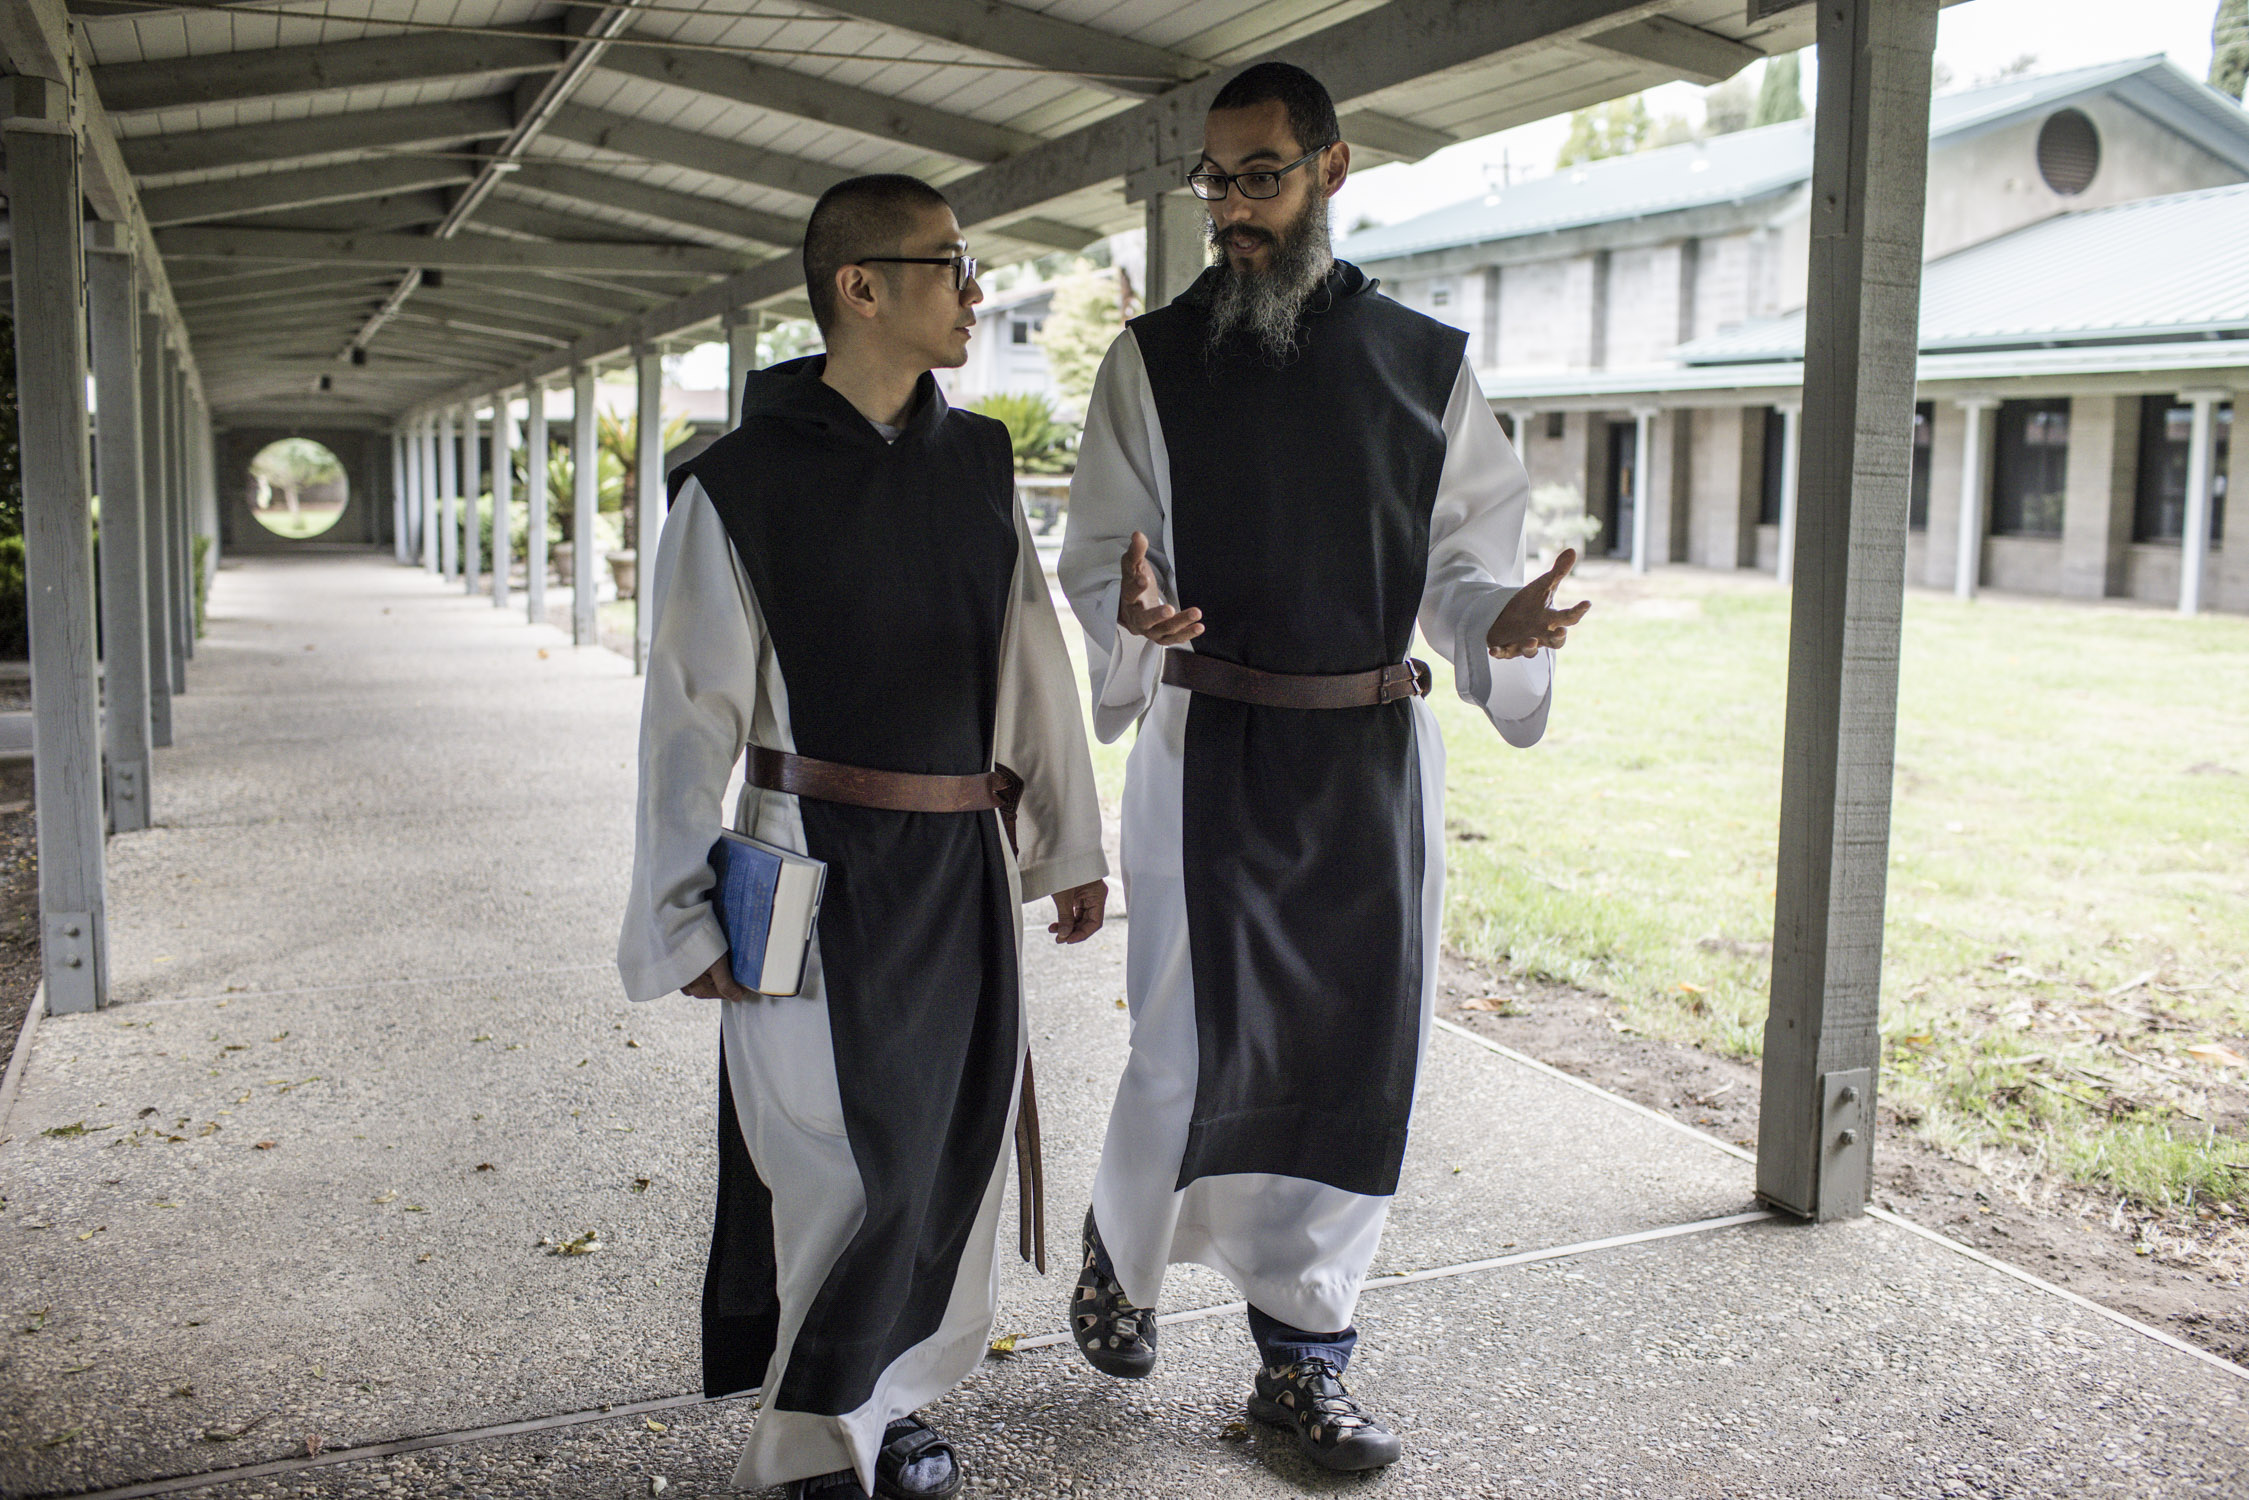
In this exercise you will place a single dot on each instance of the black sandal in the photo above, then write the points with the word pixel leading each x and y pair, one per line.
pixel 1116 1337
pixel 1308 1398
pixel 914 1463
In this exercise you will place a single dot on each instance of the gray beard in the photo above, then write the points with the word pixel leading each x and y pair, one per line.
pixel 1268 306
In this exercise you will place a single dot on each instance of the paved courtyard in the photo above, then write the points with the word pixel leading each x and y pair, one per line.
pixel 282 1220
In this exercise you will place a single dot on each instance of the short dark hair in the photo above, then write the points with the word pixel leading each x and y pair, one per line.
pixel 858 217
pixel 1311 113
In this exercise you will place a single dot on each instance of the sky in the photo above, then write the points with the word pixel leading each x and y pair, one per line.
pixel 1974 40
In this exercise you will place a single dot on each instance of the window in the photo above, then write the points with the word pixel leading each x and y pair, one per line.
pixel 2069 152
pixel 1770 474
pixel 1924 430
pixel 2030 468
pixel 1018 331
pixel 1554 420
pixel 1440 293
pixel 2159 508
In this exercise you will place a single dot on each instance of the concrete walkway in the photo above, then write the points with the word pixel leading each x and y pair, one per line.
pixel 297 1192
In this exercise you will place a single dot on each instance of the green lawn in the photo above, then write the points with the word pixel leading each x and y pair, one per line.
pixel 2072 815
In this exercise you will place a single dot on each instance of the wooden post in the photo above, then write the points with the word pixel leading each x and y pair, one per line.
pixel 398 494
pixel 1521 436
pixel 1791 455
pixel 503 494
pixel 1975 490
pixel 1178 246
pixel 585 504
pixel 431 531
pixel 535 501
pixel 472 568
pixel 449 498
pixel 1643 444
pixel 1869 178
pixel 742 328
pixel 2202 477
pixel 648 490
pixel 182 518
pixel 112 305
pixel 44 206
pixel 203 451
pixel 157 509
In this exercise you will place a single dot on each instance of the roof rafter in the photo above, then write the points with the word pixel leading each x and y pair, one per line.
pixel 321 135
pixel 309 187
pixel 1098 59
pixel 413 250
pixel 321 67
pixel 672 147
pixel 585 184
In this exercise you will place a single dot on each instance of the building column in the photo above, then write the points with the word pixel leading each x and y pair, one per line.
pixel 1643 454
pixel 1520 439
pixel 431 531
pixel 182 452
pixel 2202 473
pixel 1975 494
pixel 1178 246
pixel 398 495
pixel 43 212
pixel 535 447
pixel 1791 458
pixel 585 507
pixel 648 491
pixel 205 450
pixel 742 328
pixel 449 496
pixel 113 309
pixel 2103 467
pixel 155 507
pixel 503 494
pixel 472 567
pixel 1870 158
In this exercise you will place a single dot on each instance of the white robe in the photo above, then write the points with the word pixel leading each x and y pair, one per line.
pixel 714 684
pixel 1296 1249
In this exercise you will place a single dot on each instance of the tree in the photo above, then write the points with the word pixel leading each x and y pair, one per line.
pixel 1728 107
pixel 2229 47
pixel 292 466
pixel 1617 128
pixel 1043 442
pixel 1780 95
pixel 1086 316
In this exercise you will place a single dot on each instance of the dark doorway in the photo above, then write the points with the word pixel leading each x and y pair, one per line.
pixel 1624 471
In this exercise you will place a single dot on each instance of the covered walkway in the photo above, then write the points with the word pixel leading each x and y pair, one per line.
pixel 289 1205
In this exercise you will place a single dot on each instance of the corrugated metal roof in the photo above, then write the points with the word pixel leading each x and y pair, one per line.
pixel 1749 164
pixel 2159 267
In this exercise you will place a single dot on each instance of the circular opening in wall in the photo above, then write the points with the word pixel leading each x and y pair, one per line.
pixel 2069 152
pixel 297 488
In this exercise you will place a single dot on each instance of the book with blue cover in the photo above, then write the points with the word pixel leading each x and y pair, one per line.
pixel 768 900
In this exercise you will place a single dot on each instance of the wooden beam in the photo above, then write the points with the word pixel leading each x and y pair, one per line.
pixel 1684 51
pixel 157 637
pixel 839 106
pixel 1100 59
pixel 113 316
pixel 586 185
pixel 321 135
pixel 1870 158
pixel 267 192
pixel 44 198
pixel 321 67
pixel 698 153
pixel 282 288
pixel 400 250
pixel 1051 233
pixel 393 213
pixel 1400 140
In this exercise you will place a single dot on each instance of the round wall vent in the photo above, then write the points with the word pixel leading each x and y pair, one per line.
pixel 2069 152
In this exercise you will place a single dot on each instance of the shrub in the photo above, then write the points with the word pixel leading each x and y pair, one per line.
pixel 1043 442
pixel 1557 520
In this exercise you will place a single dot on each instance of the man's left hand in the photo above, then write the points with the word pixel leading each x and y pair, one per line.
pixel 1077 911
pixel 1530 621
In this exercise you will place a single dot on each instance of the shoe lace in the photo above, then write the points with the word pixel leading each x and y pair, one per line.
pixel 1322 1386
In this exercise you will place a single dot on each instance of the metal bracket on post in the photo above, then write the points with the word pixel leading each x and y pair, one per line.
pixel 75 968
pixel 1846 1168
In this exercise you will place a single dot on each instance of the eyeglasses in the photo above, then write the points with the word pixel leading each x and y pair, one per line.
pixel 1211 186
pixel 964 266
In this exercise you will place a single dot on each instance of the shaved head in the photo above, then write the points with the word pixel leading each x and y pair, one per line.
pixel 857 218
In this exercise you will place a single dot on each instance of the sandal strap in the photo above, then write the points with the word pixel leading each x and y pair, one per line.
pixel 907 1439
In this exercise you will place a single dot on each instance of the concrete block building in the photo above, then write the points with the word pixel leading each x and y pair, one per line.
pixel 2085 321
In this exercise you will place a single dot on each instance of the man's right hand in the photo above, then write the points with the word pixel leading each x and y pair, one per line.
pixel 1140 605
pixel 717 982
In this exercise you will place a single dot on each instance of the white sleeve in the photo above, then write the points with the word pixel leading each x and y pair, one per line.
pixel 1123 485
pixel 1476 556
pixel 1041 737
pixel 696 715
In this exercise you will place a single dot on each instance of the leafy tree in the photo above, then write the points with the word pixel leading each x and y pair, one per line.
pixel 292 466
pixel 1043 442
pixel 1780 94
pixel 1617 128
pixel 788 339
pixel 2229 47
pixel 1728 107
pixel 1085 319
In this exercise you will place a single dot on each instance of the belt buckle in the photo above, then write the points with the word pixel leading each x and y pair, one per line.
pixel 1397 682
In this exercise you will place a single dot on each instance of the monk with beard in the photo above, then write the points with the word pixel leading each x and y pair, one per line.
pixel 1282 473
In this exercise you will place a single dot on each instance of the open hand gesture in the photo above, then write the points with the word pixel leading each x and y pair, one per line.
pixel 1530 619
pixel 1141 608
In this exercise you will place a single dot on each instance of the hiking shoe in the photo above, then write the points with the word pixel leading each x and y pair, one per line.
pixel 1309 1399
pixel 1115 1337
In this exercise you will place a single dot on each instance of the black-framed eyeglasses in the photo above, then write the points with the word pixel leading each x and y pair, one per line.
pixel 964 266
pixel 1211 186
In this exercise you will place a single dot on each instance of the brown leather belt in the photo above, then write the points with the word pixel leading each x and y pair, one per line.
pixel 998 789
pixel 1224 679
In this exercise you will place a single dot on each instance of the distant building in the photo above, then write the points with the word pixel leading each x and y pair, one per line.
pixel 1004 357
pixel 2087 240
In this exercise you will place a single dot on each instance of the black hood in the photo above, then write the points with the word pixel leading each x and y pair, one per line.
pixel 793 392
pixel 1344 282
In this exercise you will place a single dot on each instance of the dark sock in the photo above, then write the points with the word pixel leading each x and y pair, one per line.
pixel 1279 1345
